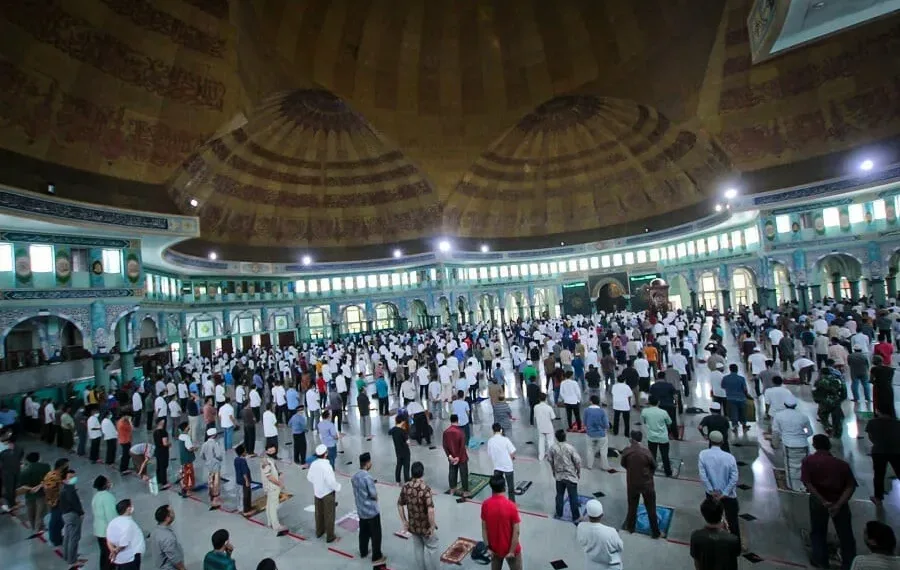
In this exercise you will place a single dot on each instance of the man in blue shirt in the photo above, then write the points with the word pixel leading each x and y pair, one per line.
pixel 596 424
pixel 293 399
pixel 328 435
pixel 719 472
pixel 381 392
pixel 461 408
pixel 242 477
pixel 366 496
pixel 735 387
pixel 297 423
pixel 499 374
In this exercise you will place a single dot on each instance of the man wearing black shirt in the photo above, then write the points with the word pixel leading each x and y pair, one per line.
pixel 400 436
pixel 715 421
pixel 884 433
pixel 592 377
pixel 631 379
pixel 713 547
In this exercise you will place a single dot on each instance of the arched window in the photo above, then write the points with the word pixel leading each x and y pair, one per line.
pixel 354 319
pixel 385 316
pixel 709 291
pixel 317 323
pixel 782 281
pixel 743 287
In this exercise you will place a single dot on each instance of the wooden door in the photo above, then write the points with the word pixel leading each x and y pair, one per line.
pixel 227 345
pixel 206 348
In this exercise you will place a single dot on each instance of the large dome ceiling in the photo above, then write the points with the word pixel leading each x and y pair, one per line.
pixel 455 106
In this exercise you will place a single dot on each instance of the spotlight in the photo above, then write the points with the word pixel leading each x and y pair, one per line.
pixel 398 253
pixel 194 203
pixel 485 248
pixel 731 194
pixel 51 189
pixel 444 245
pixel 718 207
pixel 866 165
pixel 646 230
pixel 562 243
pixel 213 255
pixel 306 260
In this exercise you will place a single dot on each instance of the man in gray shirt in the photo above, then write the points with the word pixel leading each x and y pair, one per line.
pixel 164 546
pixel 366 497
pixel 212 454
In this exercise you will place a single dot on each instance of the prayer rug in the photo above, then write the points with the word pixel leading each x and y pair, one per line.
pixel 349 522
pixel 259 504
pixel 864 415
pixel 475 443
pixel 458 550
pixel 834 548
pixel 567 510
pixel 676 466
pixel 792 381
pixel 522 487
pixel 477 482
pixel 663 515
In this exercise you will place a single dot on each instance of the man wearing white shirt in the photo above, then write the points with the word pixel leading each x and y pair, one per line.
pixel 240 398
pixel 422 375
pixel 160 408
pixel 791 429
pixel 182 390
pixel 313 408
pixel 137 405
pixel 502 453
pixel 570 394
pixel 621 401
pixel 804 368
pixel 325 486
pixel 226 422
pixel 159 387
pixel 861 341
pixel 544 414
pixel 775 336
pixel 125 538
pixel 110 437
pixel 174 415
pixel 219 394
pixel 279 396
pixel 407 391
pixel 255 403
pixel 270 427
pixel 776 397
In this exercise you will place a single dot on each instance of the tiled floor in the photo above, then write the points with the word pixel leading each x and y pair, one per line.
pixel 774 534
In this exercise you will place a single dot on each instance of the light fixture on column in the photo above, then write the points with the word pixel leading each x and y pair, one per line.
pixel 306 260
pixel 731 193
pixel 194 203
pixel 867 165
pixel 398 253
pixel 485 248
pixel 444 245
pixel 213 255
pixel 718 207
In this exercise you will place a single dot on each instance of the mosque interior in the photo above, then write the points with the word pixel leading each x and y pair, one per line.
pixel 183 178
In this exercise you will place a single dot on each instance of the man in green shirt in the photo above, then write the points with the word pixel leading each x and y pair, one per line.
pixel 219 558
pixel 657 421
pixel 32 476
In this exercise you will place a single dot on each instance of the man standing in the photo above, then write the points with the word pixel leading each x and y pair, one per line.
pixel 400 437
pixel 272 486
pixel 639 468
pixel 735 387
pixel 712 547
pixel 454 441
pixel 242 477
pixel 602 544
pixel 565 464
pixel 124 432
pixel 72 515
pixel 212 455
pixel 829 392
pixel 570 394
pixel 95 434
pixel 10 470
pixel 363 404
pixel 715 421
pixel 125 538
pixel 621 403
pixel 164 545
pixel 219 558
pixel 596 426
pixel 880 539
pixel 366 497
pixel 884 433
pixel 297 423
pixel 502 453
pixel 31 477
pixel 418 518
pixel 667 398
pixel 186 454
pixel 830 483
pixel 321 475
pixel 719 473
pixel 544 414
pixel 657 422
pixel 226 422
pixel 790 430
pixel 500 527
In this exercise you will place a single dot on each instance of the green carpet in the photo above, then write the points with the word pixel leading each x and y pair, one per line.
pixel 865 415
pixel 477 482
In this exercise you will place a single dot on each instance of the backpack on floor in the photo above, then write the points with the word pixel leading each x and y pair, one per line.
pixel 480 554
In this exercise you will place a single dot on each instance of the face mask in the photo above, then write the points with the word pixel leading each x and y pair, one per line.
pixel 73 480
pixel 272 455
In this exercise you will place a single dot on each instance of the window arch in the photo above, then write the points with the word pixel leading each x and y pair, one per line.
pixel 743 287
pixel 354 319
pixel 709 290
pixel 317 323
pixel 386 316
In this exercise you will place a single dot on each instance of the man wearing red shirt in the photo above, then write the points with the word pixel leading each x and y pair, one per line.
pixel 884 349
pixel 455 448
pixel 124 430
pixel 500 527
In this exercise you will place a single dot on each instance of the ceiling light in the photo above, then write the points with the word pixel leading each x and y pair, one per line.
pixel 444 245
pixel 306 260
pixel 398 253
pixel 213 255
pixel 818 5
pixel 646 230
pixel 866 165
pixel 718 207
pixel 194 203
pixel 731 194
pixel 51 189
pixel 485 248
pixel 562 243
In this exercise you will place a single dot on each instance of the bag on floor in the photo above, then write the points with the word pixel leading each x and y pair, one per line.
pixel 480 554
pixel 750 410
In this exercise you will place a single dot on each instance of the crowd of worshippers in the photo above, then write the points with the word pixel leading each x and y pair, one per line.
pixel 631 361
